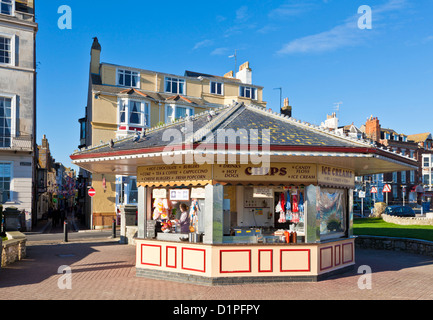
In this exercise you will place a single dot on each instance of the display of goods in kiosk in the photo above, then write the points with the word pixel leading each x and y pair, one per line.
pixel 166 225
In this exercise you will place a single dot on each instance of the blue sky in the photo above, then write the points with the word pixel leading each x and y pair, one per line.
pixel 313 49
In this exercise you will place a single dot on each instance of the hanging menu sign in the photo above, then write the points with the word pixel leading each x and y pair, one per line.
pixel 328 175
pixel 275 172
pixel 174 174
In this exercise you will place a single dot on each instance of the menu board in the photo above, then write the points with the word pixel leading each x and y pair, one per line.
pixel 174 174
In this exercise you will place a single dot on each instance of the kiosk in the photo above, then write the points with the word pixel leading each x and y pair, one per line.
pixel 271 200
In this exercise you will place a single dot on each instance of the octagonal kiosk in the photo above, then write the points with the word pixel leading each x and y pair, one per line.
pixel 242 195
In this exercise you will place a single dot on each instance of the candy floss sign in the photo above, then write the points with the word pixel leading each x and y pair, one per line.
pixel 336 176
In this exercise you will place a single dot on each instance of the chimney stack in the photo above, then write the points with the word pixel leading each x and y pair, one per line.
pixel 286 109
pixel 229 74
pixel 95 56
pixel 245 73
pixel 372 129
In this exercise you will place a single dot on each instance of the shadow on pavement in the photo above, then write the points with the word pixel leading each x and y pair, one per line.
pixel 43 261
pixel 385 260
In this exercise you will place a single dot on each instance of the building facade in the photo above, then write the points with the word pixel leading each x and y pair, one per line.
pixel 405 184
pixel 18 106
pixel 125 100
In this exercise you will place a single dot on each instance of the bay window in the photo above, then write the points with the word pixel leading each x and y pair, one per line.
pixel 133 114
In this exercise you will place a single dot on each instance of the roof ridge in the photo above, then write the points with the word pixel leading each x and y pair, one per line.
pixel 216 122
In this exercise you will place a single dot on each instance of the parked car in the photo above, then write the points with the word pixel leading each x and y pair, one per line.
pixel 399 211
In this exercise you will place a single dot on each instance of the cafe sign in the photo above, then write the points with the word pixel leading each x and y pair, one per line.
pixel 174 175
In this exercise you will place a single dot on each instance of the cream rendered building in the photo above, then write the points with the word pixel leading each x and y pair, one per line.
pixel 125 100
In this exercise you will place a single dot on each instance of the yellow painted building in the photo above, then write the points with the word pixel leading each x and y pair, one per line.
pixel 125 100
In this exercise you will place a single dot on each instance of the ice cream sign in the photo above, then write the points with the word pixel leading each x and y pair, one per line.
pixel 329 175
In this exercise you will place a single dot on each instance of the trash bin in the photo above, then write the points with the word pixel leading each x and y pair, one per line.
pixel 12 218
pixel 426 207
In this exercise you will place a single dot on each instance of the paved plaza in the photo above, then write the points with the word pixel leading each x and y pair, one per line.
pixel 104 270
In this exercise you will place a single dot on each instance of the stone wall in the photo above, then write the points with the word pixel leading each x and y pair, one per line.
pixel 395 244
pixel 420 221
pixel 12 251
pixel 131 234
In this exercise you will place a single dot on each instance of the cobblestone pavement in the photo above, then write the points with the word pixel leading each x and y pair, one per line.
pixel 104 270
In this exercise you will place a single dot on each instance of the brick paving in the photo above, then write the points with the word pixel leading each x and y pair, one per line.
pixel 104 270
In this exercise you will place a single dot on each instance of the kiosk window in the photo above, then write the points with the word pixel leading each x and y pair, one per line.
pixel 331 207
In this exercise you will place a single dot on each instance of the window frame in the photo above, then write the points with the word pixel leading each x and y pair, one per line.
pixel 124 70
pixel 12 4
pixel 216 83
pixel 172 118
pixel 13 99
pixel 179 80
pixel 12 39
pixel 124 188
pixel 11 177
pixel 252 92
pixel 144 113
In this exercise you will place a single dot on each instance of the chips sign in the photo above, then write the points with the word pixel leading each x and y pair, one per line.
pixel 91 192
pixel 386 188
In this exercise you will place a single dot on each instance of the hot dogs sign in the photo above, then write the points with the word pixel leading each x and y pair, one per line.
pixel 276 172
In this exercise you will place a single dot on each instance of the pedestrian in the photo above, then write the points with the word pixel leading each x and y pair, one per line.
pixel 184 218
pixel 56 217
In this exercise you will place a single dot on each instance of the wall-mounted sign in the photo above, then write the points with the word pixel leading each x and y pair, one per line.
pixel 174 174
pixel 159 193
pixel 328 175
pixel 276 172
pixel 262 192
pixel 25 164
pixel 197 193
pixel 179 194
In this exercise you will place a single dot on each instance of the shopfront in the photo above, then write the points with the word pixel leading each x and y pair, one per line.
pixel 219 222
pixel 246 222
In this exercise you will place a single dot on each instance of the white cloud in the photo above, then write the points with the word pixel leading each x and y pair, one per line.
pixel 344 35
pixel 220 51
pixel 339 36
pixel 242 13
pixel 287 10
pixel 202 44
